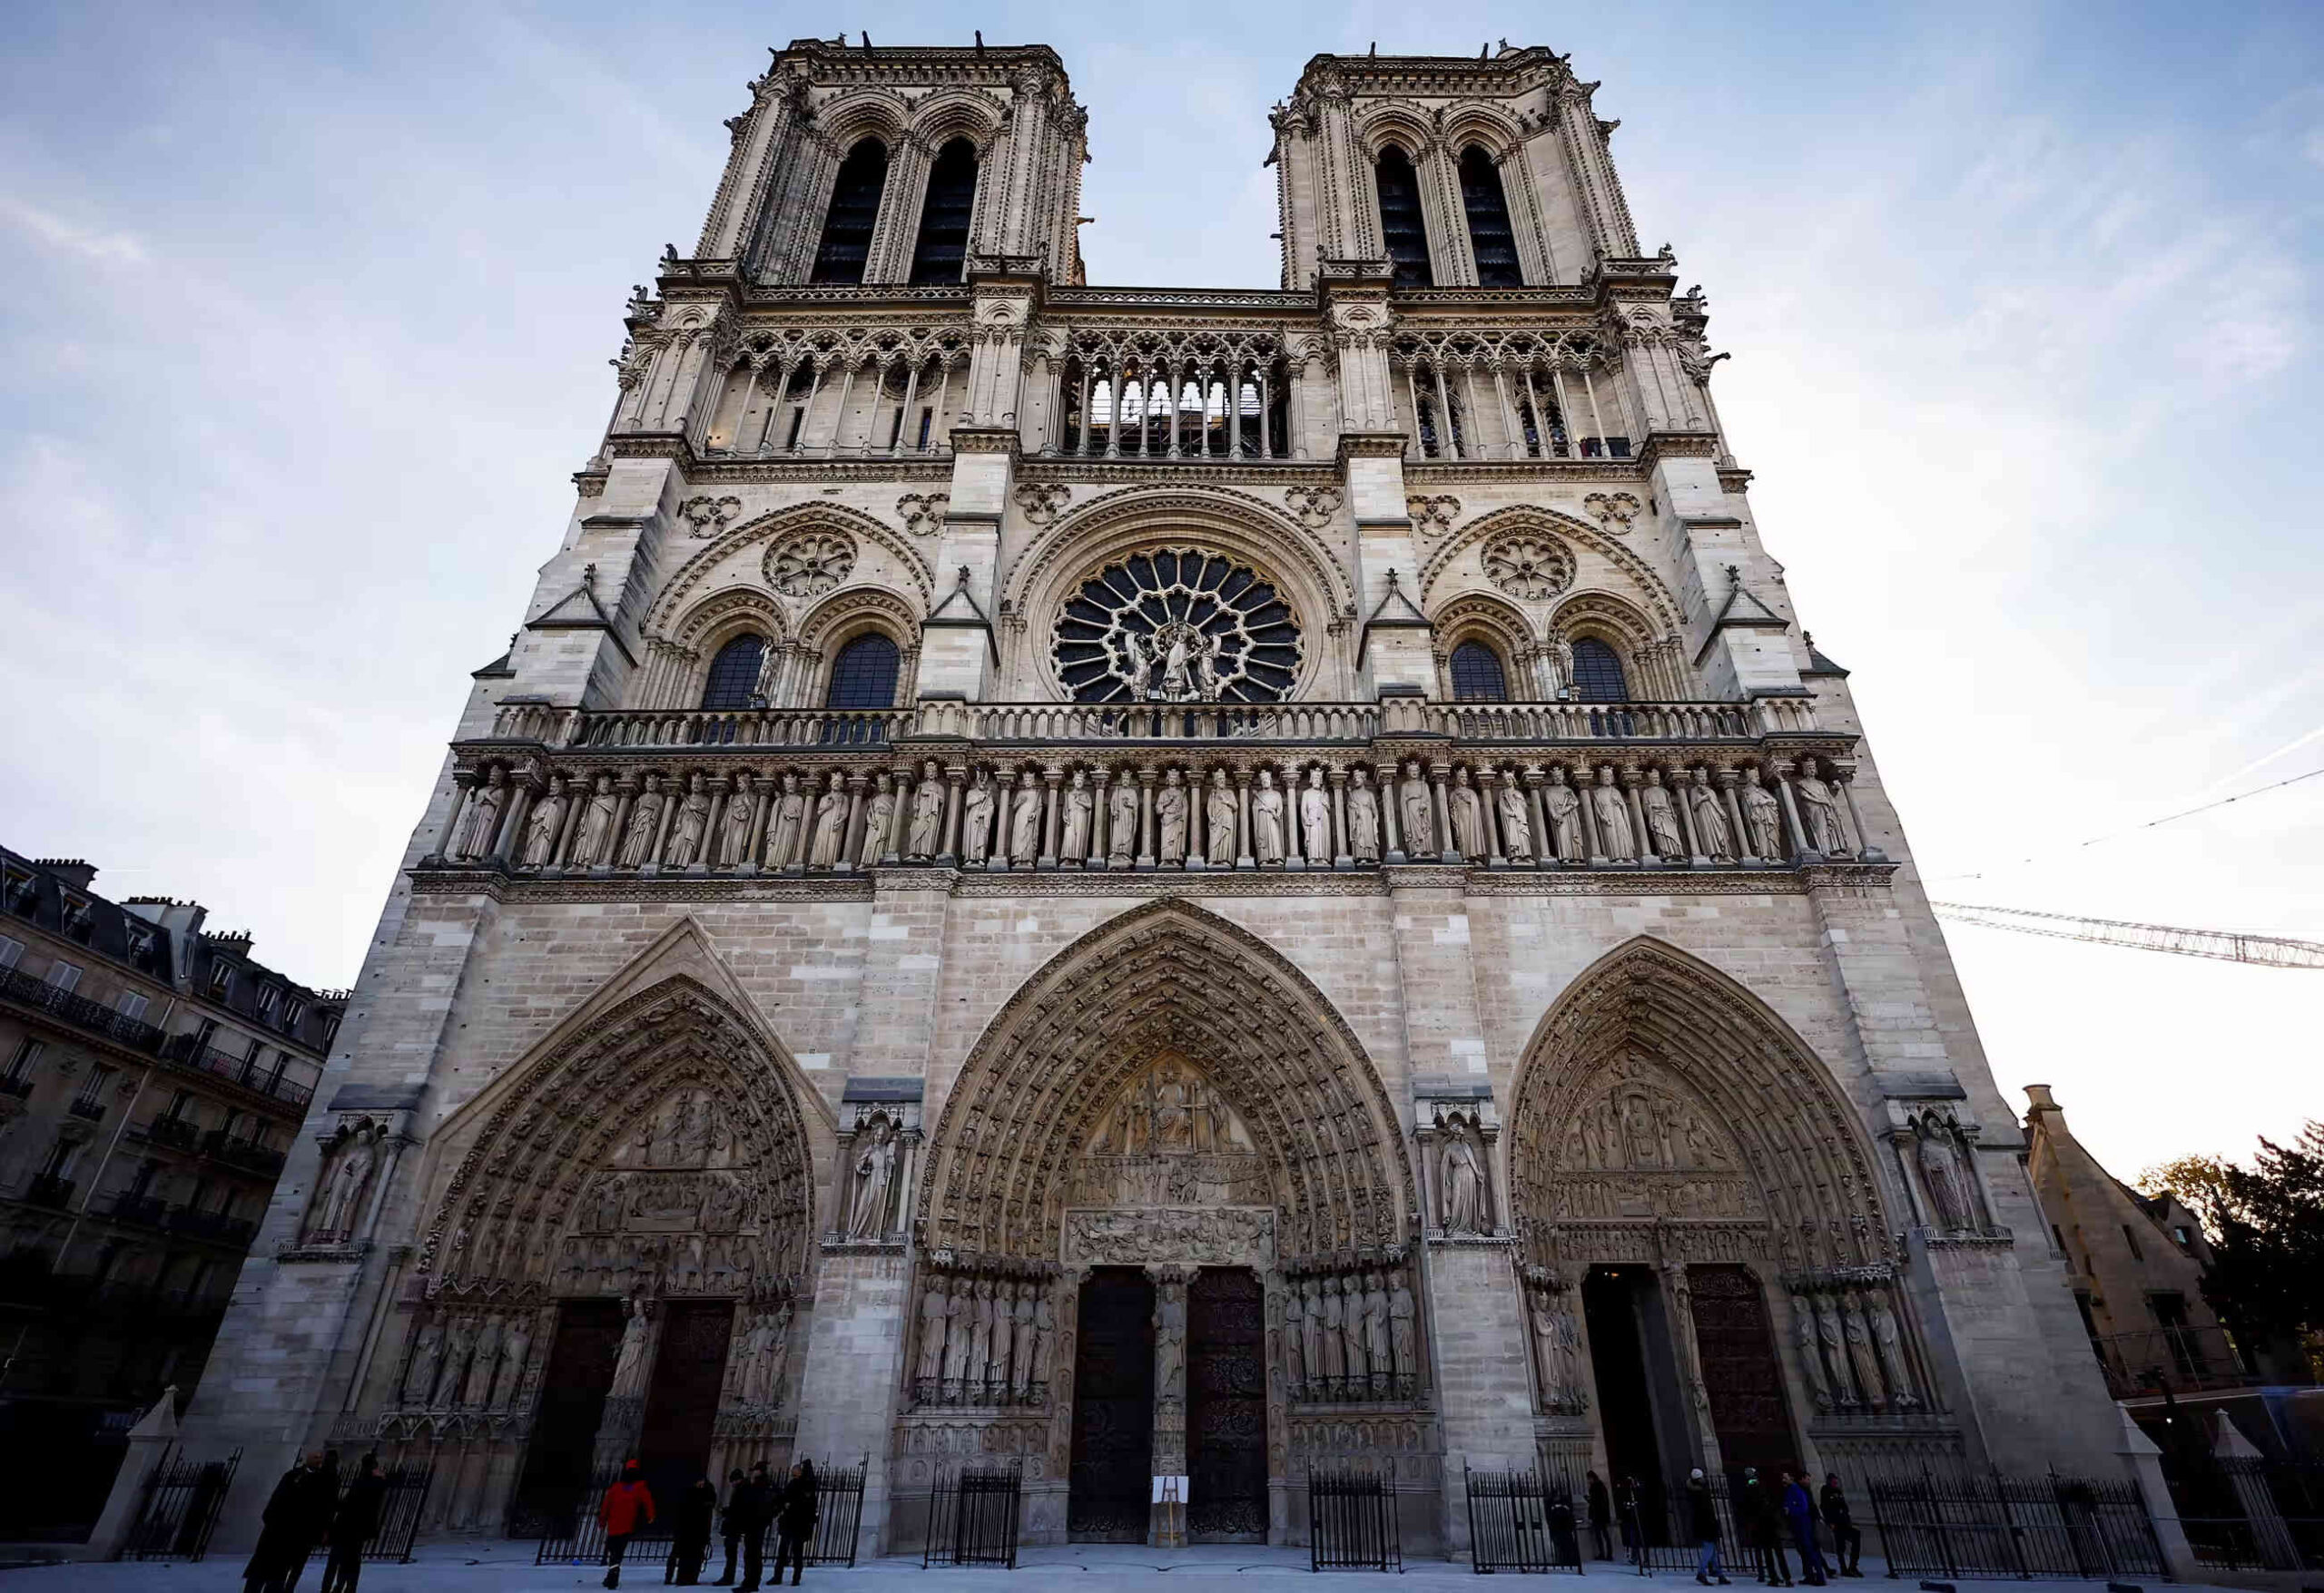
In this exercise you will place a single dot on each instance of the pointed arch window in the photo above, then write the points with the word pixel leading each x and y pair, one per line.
pixel 855 208
pixel 1598 673
pixel 734 674
pixel 943 246
pixel 864 675
pixel 1490 236
pixel 1404 233
pixel 1477 674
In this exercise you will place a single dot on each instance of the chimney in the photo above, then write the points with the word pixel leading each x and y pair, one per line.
pixel 180 918
pixel 72 870
pixel 2042 1106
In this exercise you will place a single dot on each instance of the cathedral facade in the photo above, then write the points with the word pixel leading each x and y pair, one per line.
pixel 1156 884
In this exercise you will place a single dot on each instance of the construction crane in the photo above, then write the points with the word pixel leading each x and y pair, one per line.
pixel 2220 945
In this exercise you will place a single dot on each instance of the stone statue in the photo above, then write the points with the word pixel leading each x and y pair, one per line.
pixel 427 1361
pixel 1362 820
pixel 978 1365
pixel 1561 655
pixel 831 823
pixel 1044 1326
pixel 1170 1340
pixel 514 1346
pixel 630 1366
pixel 1219 813
pixel 1316 820
pixel 875 1172
pixel 1516 824
pixel 482 817
pixel 644 827
pixel 1564 805
pixel 1947 1180
pixel 961 1330
pixel 935 1325
pixel 1079 802
pixel 1662 817
pixel 1121 821
pixel 685 835
pixel 1468 819
pixel 1266 821
pixel 351 1173
pixel 1819 811
pixel 1711 819
pixel 1862 1356
pixel 1402 1325
pixel 1827 1330
pixel 1294 1350
pixel 1025 822
pixel 1762 821
pixel 1375 1326
pixel 1418 812
pixel 1545 1351
pixel 1613 816
pixel 777 1357
pixel 597 823
pixel 548 819
pixel 1463 1181
pixel 1004 1334
pixel 976 821
pixel 1022 1374
pixel 1569 1351
pixel 921 841
pixel 1310 1332
pixel 879 822
pixel 735 826
pixel 1887 1340
pixel 482 1368
pixel 1170 818
pixel 459 1346
pixel 1803 1339
pixel 1334 1336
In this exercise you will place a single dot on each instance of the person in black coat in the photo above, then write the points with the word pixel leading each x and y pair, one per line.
pixel 730 1524
pixel 1847 1538
pixel 353 1525
pixel 1601 1515
pixel 754 1505
pixel 690 1525
pixel 296 1518
pixel 1763 1530
pixel 802 1509
pixel 1702 1519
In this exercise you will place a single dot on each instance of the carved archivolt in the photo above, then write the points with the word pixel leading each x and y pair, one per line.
pixel 1649 589
pixel 1167 1010
pixel 679 595
pixel 1658 1098
pixel 853 609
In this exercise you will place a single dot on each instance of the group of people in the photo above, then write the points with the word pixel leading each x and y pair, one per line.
pixel 752 1505
pixel 1764 1516
pixel 308 1511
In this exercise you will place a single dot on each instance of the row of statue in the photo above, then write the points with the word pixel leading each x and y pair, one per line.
pixel 1556 1338
pixel 1351 1336
pixel 469 1359
pixel 1315 815
pixel 680 1263
pixel 1851 1351
pixel 757 1359
pixel 983 1341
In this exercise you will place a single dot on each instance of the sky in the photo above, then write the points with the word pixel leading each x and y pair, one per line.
pixel 309 310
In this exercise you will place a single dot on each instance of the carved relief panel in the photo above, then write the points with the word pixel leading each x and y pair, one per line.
pixel 1170 1138
pixel 1638 1149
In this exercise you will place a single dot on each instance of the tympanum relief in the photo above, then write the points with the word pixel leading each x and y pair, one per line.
pixel 1170 1138
pixel 1637 1150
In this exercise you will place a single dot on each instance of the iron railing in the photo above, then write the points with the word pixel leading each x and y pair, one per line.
pixel 574 1532
pixel 2024 1527
pixel 839 1513
pixel 180 1507
pixel 79 1010
pixel 2249 1513
pixel 400 1511
pixel 2147 1362
pixel 972 1517
pixel 1520 1521
pixel 1351 1523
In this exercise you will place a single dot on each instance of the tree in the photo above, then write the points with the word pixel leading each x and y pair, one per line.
pixel 2200 1184
pixel 2267 1272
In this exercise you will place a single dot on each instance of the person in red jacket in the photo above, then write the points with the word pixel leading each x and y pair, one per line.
pixel 628 1505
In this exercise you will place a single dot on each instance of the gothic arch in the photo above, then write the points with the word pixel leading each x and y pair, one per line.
pixel 1167 978
pixel 1478 617
pixel 1649 591
pixel 1483 123
pixel 1759 1156
pixel 679 595
pixel 1398 121
pixel 857 114
pixel 948 114
pixel 851 612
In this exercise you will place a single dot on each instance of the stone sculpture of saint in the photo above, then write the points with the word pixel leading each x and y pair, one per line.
pixel 482 817
pixel 1545 1350
pixel 1375 1325
pixel 630 1366
pixel 1418 810
pixel 644 827
pixel 1266 821
pixel 1463 1186
pixel 1121 823
pixel 548 821
pixel 514 1346
pixel 427 1361
pixel 1402 1319
pixel 1218 822
pixel 962 1330
pixel 1025 822
pixel 459 1346
pixel 976 821
pixel 1662 817
pixel 1863 1357
pixel 483 1365
pixel 1022 1373
pixel 1004 1338
pixel 1316 821
pixel 1080 800
pixel 598 822
pixel 1170 819
pixel 1948 1187
pixel 1564 805
pixel 921 841
pixel 1170 1340
pixel 1177 673
pixel 1362 820
pixel 831 823
pixel 935 1325
pixel 786 822
pixel 1334 1335
pixel 879 822
pixel 1516 824
pixel 1887 1340
pixel 1311 1329
pixel 1711 819
pixel 1819 811
pixel 1613 815
pixel 1803 1338
pixel 1044 1326
pixel 1358 1352
pixel 1835 1342
pixel 875 1172
pixel 978 1367
pixel 1762 821
pixel 1468 819
pixel 686 833
pixel 350 1175
pixel 734 825
pixel 1294 1350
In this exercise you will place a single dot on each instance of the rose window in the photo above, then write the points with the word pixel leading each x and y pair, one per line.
pixel 809 564
pixel 1533 568
pixel 1176 624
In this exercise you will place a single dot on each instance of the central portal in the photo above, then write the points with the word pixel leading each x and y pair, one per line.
pixel 1113 1409
pixel 1226 1408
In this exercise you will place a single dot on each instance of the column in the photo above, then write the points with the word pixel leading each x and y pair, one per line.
pixel 1391 820
pixel 1243 858
pixel 1100 817
pixel 1801 853
pixel 947 844
pixel 762 794
pixel 1679 799
pixel 1148 843
pixel 1052 815
pixel 1726 779
pixel 1630 781
pixel 1343 854
pixel 1438 775
pixel 850 841
pixel 1544 849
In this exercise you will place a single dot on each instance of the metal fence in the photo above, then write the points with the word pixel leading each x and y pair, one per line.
pixel 1657 1524
pixel 839 1512
pixel 972 1517
pixel 2249 1513
pixel 2002 1526
pixel 400 1511
pixel 180 1510
pixel 1352 1520
pixel 574 1533
pixel 1520 1521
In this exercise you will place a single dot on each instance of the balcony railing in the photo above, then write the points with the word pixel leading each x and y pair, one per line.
pixel 18 1088
pixel 79 1010
pixel 242 1070
pixel 132 1206
pixel 241 1152
pixel 212 1226
pixel 47 1189
pixel 91 1108
pixel 2182 1360
pixel 177 1132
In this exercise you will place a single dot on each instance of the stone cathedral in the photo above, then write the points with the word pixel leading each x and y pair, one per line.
pixel 1156 884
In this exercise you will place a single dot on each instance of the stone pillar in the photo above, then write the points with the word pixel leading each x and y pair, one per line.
pixel 1169 1397
pixel 2145 1463
pixel 150 1443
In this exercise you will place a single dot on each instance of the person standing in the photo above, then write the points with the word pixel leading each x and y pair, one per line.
pixel 1847 1538
pixel 628 1505
pixel 1601 1516
pixel 730 1524
pixel 1626 1506
pixel 297 1515
pixel 754 1507
pixel 697 1508
pixel 1702 1515
pixel 801 1510
pixel 1799 1510
pixel 354 1525
pixel 1761 1532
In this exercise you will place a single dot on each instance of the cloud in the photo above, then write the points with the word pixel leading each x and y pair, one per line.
pixel 123 249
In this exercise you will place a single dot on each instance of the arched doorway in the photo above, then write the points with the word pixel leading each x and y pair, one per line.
pixel 1172 1143
pixel 1708 1259
pixel 614 1262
